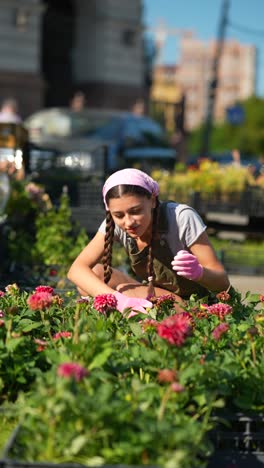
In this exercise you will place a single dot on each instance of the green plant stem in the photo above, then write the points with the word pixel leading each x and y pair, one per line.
pixel 164 400
pixel 76 324
pixel 253 350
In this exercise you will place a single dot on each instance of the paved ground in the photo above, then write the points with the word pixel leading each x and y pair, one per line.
pixel 254 284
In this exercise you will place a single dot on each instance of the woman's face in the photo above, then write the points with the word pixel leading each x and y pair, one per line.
pixel 133 214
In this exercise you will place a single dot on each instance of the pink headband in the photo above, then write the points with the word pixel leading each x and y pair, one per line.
pixel 130 177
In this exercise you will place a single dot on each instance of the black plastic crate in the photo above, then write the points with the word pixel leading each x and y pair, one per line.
pixel 239 441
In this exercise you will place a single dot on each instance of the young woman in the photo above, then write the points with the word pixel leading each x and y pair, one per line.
pixel 166 243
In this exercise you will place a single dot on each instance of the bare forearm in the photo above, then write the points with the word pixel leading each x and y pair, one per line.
pixel 86 280
pixel 213 280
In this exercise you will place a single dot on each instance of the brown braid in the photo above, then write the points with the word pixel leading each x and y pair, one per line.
pixel 150 268
pixel 108 244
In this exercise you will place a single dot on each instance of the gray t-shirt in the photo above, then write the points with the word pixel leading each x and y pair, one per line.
pixel 185 227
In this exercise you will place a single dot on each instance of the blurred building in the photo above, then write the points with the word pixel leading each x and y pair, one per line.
pixel 51 48
pixel 236 78
pixel 165 94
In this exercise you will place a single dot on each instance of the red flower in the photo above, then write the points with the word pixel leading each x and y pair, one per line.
pixel 220 330
pixel 40 301
pixel 72 370
pixel 104 303
pixel 41 344
pixel 2 322
pixel 175 329
pixel 62 334
pixel 47 289
pixel 261 298
pixel 220 309
pixel 53 272
pixel 166 375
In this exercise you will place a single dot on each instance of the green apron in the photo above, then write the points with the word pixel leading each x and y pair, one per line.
pixel 165 277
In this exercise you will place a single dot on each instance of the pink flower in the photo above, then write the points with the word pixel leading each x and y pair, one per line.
pixel 40 301
pixel 220 309
pixel 177 387
pixel 34 190
pixel 166 375
pixel 148 324
pixel 1 314
pixel 41 344
pixel 2 293
pixel 166 300
pixel 104 303
pixel 47 289
pixel 62 334
pixel 72 370
pixel 261 298
pixel 175 329
pixel 220 330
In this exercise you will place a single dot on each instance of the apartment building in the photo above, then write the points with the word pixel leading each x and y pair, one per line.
pixel 236 77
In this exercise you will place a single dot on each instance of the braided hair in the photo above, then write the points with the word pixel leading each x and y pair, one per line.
pixel 150 266
pixel 117 192
pixel 108 246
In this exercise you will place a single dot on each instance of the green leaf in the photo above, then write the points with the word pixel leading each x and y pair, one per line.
pixel 136 329
pixel 101 358
pixel 31 326
pixel 77 444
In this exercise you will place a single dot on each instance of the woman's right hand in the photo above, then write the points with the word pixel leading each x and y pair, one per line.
pixel 135 303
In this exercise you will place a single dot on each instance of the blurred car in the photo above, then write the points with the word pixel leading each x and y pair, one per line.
pixel 66 146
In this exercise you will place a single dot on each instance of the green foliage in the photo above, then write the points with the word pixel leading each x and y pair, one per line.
pixel 39 234
pixel 120 411
pixel 247 137
pixel 58 241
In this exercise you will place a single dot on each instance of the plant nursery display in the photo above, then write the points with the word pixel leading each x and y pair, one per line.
pixel 81 383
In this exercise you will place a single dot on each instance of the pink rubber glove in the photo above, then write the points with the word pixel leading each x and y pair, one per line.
pixel 187 265
pixel 135 303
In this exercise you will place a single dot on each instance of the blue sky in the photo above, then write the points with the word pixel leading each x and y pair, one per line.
pixel 202 16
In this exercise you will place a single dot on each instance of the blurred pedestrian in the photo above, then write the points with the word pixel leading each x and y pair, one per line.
pixel 9 111
pixel 78 101
pixel 236 157
pixel 138 107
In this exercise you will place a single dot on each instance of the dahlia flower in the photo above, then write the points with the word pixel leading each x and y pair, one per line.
pixel 220 309
pixel 220 330
pixel 47 289
pixel 62 334
pixel 72 370
pixel 167 375
pixel 40 300
pixel 104 303
pixel 175 328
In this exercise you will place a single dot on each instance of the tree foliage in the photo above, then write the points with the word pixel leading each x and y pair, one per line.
pixel 247 137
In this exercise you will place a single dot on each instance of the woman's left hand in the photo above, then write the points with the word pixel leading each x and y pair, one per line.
pixel 187 265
